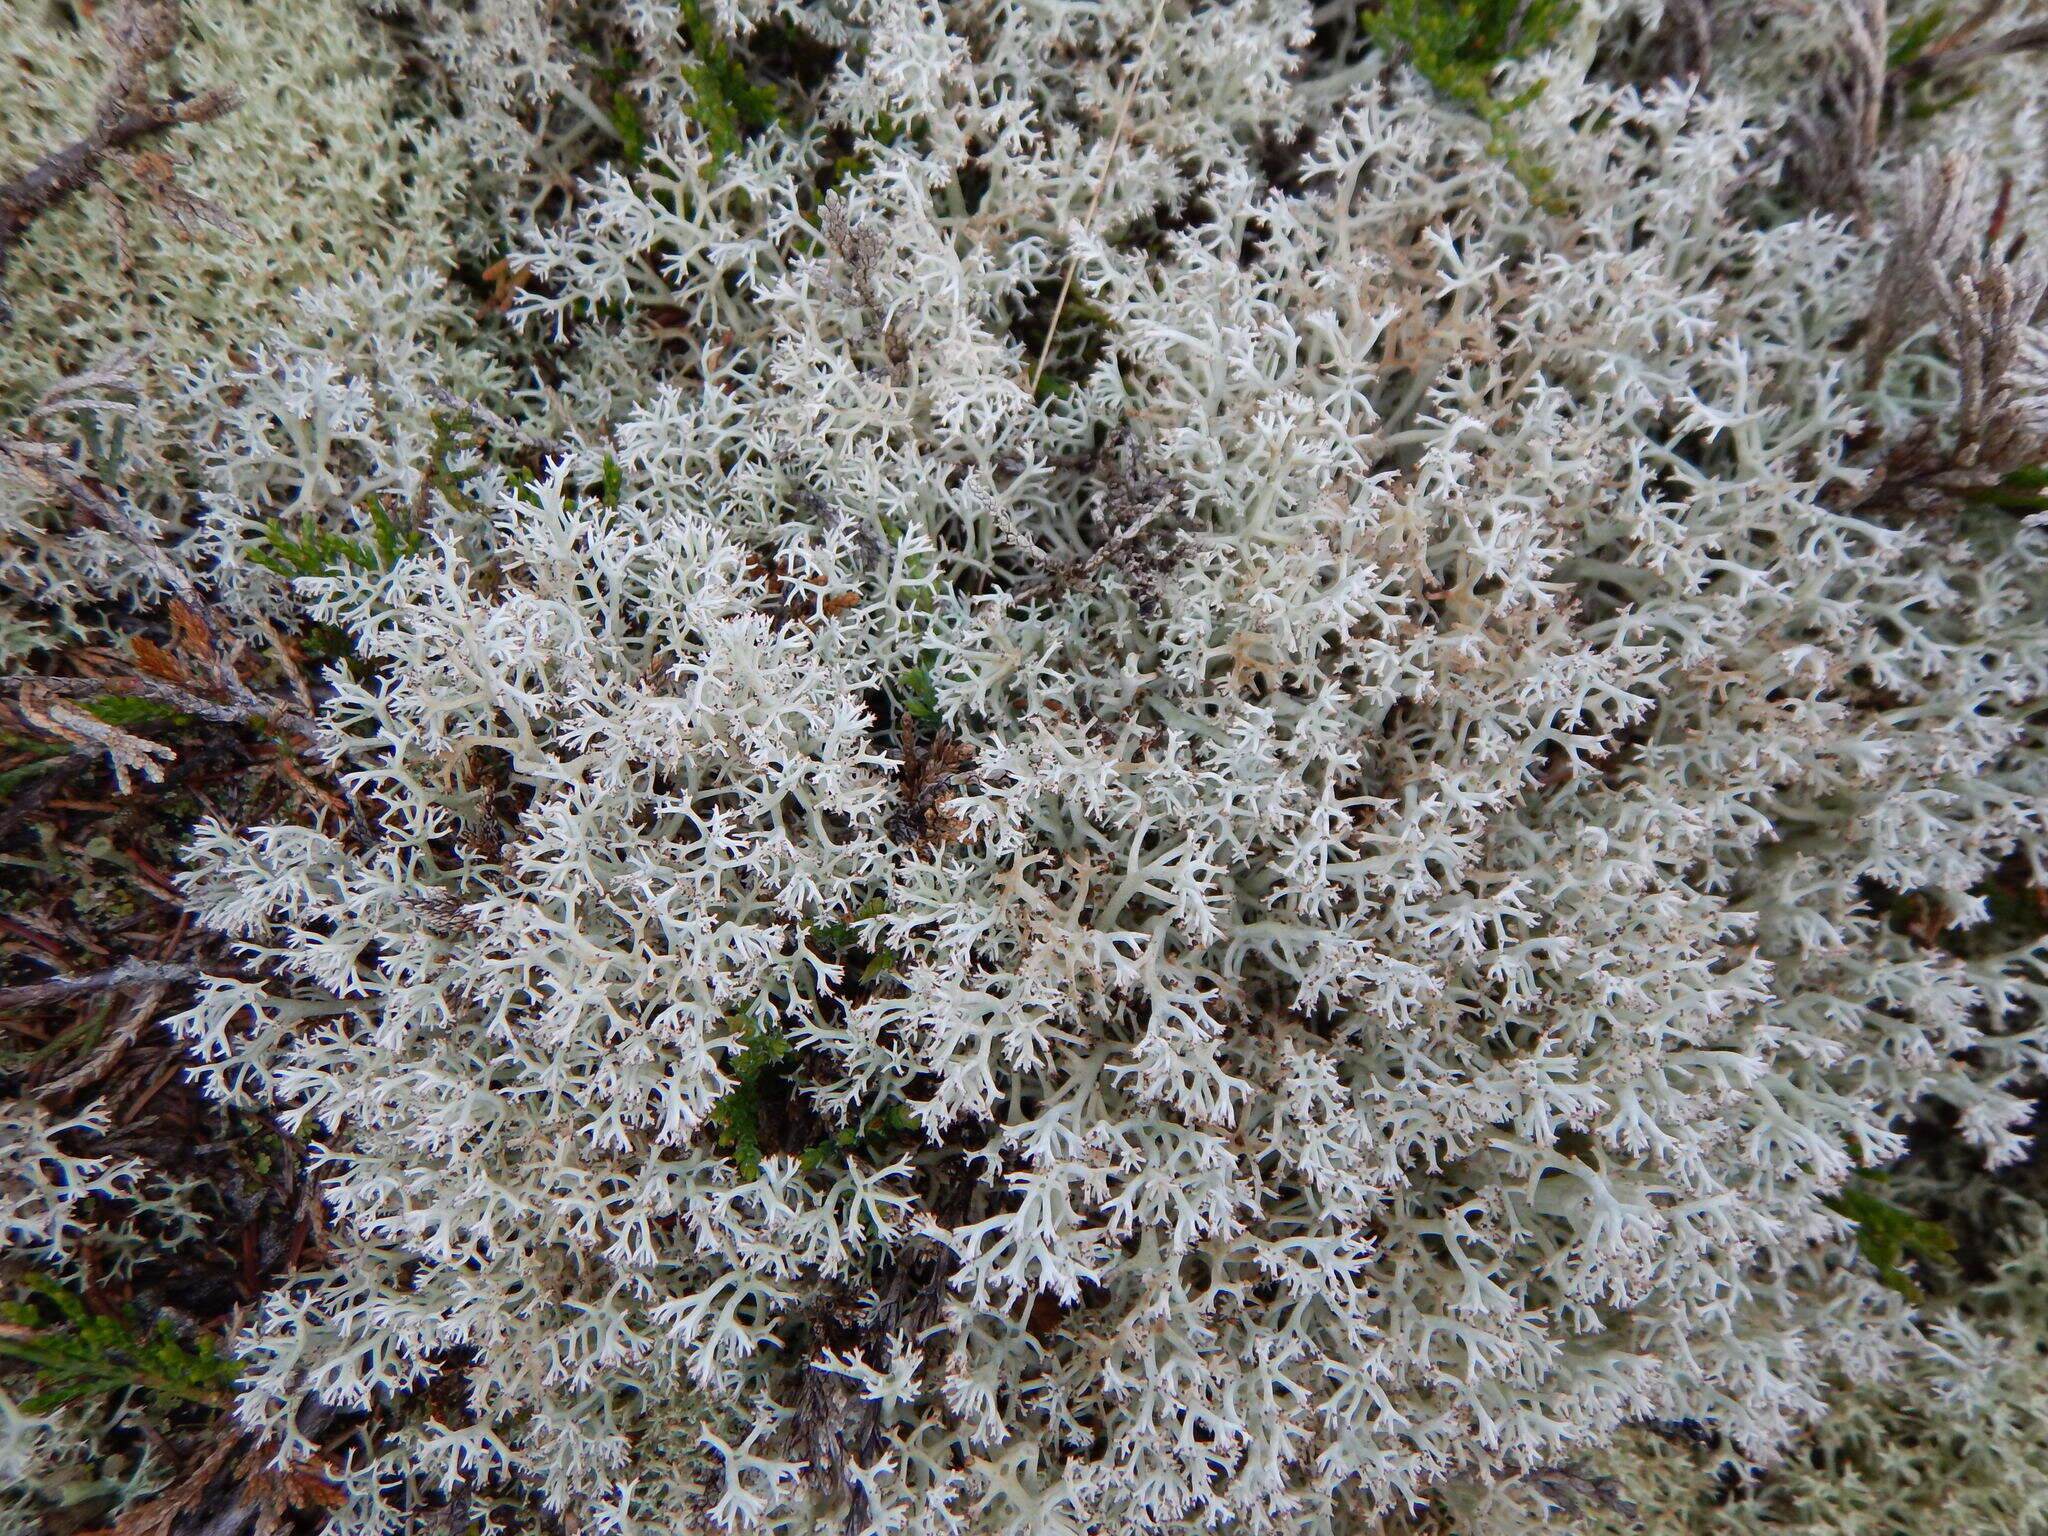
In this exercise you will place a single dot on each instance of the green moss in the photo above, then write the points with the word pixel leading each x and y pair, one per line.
pixel 884 131
pixel 1888 1237
pixel 868 1136
pixel 128 712
pixel 78 1353
pixel 632 132
pixel 835 939
pixel 313 551
pixel 723 101
pixel 1083 341
pixel 1459 46
pixel 738 1115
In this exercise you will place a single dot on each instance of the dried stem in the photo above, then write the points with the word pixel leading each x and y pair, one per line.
pixel 1116 144
pixel 129 973
pixel 138 35
pixel 98 504
pixel 54 780
pixel 152 689
pixel 1957 52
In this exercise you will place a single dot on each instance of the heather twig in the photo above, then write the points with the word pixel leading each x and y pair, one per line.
pixel 139 34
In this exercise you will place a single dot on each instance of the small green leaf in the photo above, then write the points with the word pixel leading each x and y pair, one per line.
pixel 915 693
pixel 1911 39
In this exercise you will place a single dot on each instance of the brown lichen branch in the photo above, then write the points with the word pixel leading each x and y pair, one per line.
pixel 138 34
pixel 126 752
pixel 927 776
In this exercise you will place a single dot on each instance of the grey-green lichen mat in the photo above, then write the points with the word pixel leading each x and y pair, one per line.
pixel 1113 768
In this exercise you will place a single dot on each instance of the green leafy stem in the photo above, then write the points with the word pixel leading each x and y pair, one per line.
pixel 78 1353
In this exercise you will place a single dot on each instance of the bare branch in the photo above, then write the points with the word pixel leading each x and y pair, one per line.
pixel 129 973
pixel 150 688
pixel 139 34
pixel 1957 53
pixel 141 1010
pixel 56 473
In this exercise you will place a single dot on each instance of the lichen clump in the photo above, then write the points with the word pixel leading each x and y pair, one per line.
pixel 1123 770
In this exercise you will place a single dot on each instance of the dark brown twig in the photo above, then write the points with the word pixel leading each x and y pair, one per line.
pixel 99 505
pixel 1957 52
pixel 47 787
pixel 153 689
pixel 139 34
